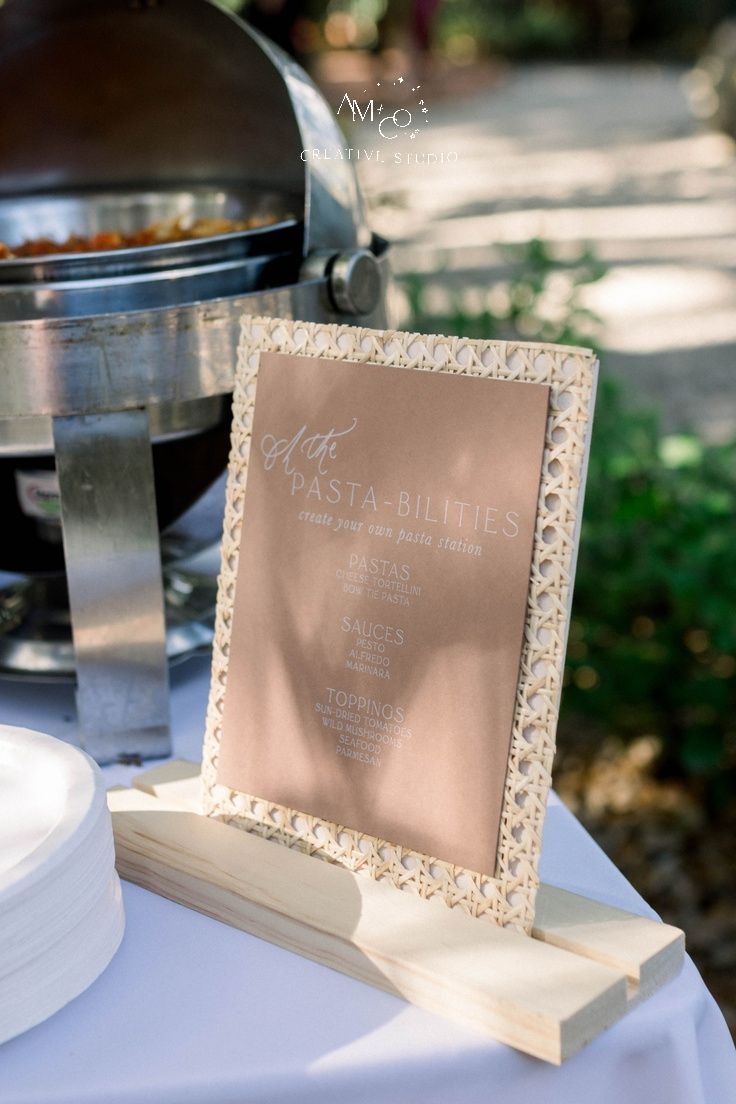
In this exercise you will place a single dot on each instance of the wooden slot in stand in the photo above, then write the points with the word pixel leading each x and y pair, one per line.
pixel 547 995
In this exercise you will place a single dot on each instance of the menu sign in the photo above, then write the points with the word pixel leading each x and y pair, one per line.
pixel 381 598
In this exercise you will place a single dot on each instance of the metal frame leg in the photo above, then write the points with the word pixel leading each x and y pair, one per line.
pixel 113 567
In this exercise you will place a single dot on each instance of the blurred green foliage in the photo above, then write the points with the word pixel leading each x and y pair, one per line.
pixel 653 640
pixel 522 30
pixel 464 30
pixel 652 648
pixel 541 301
pixel 579 28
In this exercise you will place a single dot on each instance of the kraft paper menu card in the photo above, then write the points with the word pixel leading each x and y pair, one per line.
pixel 393 602
pixel 379 609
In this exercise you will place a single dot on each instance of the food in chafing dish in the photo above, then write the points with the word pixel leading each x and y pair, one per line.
pixel 157 233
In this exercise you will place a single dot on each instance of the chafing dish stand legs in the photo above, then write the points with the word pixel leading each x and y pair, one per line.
pixel 113 566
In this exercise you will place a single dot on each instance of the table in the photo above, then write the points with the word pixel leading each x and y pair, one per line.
pixel 193 1012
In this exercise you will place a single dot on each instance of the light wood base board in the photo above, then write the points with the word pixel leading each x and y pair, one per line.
pixel 547 995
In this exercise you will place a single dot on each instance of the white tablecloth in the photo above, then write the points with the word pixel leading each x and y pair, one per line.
pixel 193 1012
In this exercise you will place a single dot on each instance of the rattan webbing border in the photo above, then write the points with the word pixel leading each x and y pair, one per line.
pixel 508 897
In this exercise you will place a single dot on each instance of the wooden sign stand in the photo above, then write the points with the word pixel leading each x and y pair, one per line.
pixel 548 995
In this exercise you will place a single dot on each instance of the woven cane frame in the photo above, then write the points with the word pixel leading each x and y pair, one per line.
pixel 506 898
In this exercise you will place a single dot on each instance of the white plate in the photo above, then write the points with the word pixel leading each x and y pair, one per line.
pixel 61 915
pixel 65 969
pixel 51 797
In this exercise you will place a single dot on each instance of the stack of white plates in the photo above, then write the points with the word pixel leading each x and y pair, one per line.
pixel 61 911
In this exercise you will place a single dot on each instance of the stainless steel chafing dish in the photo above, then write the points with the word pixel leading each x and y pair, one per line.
pixel 116 367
